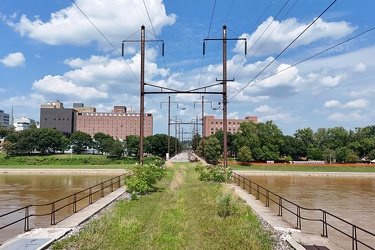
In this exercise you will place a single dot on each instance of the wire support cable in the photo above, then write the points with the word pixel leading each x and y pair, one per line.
pixel 282 52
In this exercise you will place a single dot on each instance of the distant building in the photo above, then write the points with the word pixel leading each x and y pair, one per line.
pixel 54 115
pixel 119 123
pixel 80 107
pixel 23 123
pixel 211 125
pixel 4 118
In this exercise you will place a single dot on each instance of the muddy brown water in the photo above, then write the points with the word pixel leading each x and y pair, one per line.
pixel 20 190
pixel 348 197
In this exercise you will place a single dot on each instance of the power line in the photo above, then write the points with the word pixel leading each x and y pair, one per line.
pixel 102 34
pixel 238 68
pixel 282 52
pixel 310 57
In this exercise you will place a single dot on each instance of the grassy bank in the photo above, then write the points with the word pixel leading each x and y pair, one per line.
pixel 183 214
pixel 362 168
pixel 64 161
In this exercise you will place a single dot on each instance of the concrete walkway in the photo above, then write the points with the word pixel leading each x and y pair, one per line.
pixel 41 238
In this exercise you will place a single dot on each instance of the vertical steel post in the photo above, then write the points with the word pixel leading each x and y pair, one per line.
pixel 169 126
pixel 203 126
pixel 142 99
pixel 175 134
pixel 225 95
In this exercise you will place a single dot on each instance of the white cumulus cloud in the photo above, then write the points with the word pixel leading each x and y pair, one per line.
pixel 70 26
pixel 332 104
pixel 16 59
pixel 360 103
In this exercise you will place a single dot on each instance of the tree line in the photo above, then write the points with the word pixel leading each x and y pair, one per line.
pixel 50 141
pixel 265 141
pixel 252 142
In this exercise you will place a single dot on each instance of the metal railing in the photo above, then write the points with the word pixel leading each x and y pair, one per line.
pixel 73 203
pixel 327 219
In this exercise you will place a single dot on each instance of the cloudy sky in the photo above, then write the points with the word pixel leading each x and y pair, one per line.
pixel 299 71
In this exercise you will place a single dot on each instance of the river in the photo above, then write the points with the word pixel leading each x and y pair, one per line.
pixel 349 197
pixel 20 190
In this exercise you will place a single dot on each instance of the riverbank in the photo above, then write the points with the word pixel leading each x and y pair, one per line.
pixel 307 173
pixel 60 171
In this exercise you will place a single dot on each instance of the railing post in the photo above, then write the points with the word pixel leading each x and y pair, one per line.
pixel 102 189
pixel 90 195
pixel 118 182
pixel 354 238
pixel 299 217
pixel 111 185
pixel 280 207
pixel 267 198
pixel 257 192
pixel 53 217
pixel 250 187
pixel 75 204
pixel 26 225
pixel 325 228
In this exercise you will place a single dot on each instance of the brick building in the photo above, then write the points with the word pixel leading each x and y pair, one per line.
pixel 118 124
pixel 211 125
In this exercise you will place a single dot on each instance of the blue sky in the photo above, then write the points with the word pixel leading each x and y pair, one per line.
pixel 51 50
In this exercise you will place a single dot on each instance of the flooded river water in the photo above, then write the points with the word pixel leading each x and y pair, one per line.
pixel 351 198
pixel 20 190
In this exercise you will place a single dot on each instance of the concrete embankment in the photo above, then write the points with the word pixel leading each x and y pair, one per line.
pixel 41 238
pixel 296 238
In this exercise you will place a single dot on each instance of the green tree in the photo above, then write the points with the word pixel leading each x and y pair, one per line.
pixel 195 142
pixel 4 131
pixel 80 141
pixel 292 147
pixel 117 149
pixel 212 150
pixel 132 145
pixel 306 136
pixel 103 142
pixel 9 148
pixel 244 154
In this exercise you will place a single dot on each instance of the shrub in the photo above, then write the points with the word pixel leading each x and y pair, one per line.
pixel 226 205
pixel 214 173
pixel 143 178
pixel 158 161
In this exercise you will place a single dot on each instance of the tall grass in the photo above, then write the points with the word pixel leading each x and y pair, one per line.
pixel 182 214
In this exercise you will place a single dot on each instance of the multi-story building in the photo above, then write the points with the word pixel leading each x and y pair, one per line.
pixel 23 123
pixel 54 115
pixel 80 107
pixel 211 125
pixel 119 123
pixel 4 119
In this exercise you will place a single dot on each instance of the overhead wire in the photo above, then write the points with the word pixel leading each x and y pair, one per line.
pixel 282 52
pixel 102 34
pixel 256 41
pixel 315 55
pixel 154 33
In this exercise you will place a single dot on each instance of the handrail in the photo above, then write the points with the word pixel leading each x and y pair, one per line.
pixel 111 184
pixel 251 186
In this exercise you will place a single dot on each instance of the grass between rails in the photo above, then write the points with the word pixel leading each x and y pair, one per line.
pixel 182 214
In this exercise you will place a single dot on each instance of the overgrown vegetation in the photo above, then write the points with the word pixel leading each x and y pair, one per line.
pixel 64 160
pixel 144 177
pixel 213 173
pixel 226 205
pixel 183 214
